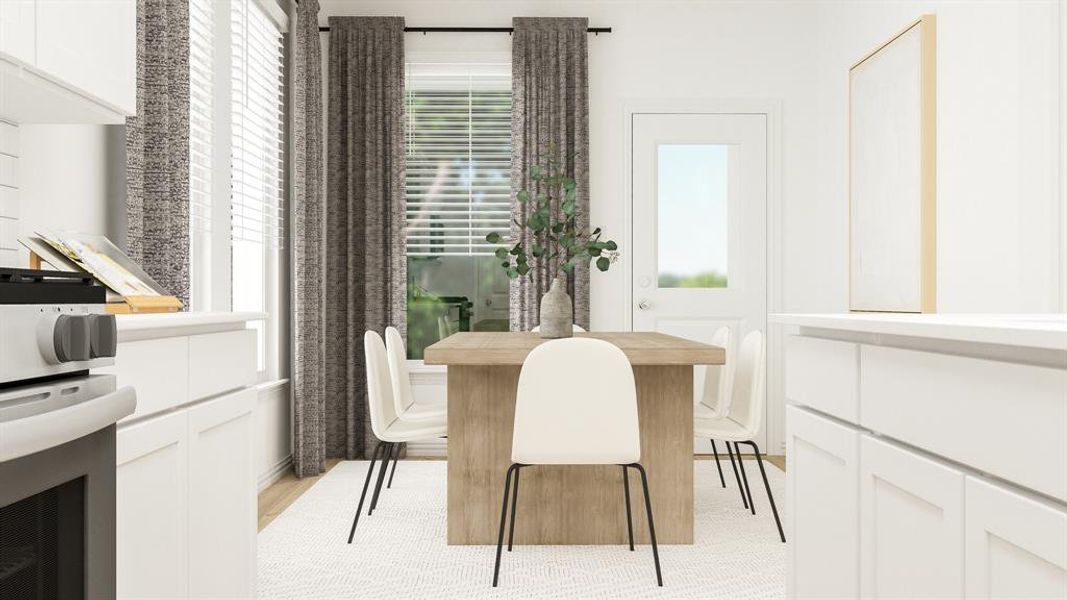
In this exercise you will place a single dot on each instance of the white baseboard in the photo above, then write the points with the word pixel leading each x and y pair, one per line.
pixel 274 473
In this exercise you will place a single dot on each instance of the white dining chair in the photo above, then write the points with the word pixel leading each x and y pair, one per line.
pixel 576 405
pixel 715 400
pixel 575 326
pixel 745 416
pixel 385 423
pixel 407 409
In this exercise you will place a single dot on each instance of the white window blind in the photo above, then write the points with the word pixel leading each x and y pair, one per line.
pixel 201 112
pixel 458 157
pixel 257 125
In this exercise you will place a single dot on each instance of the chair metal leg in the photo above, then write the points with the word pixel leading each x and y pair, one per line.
pixel 503 516
pixel 514 502
pixel 651 523
pixel 744 479
pixel 366 484
pixel 626 494
pixel 718 465
pixel 737 476
pixel 381 478
pixel 396 455
pixel 767 486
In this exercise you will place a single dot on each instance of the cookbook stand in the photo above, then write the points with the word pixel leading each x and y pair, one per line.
pixel 126 304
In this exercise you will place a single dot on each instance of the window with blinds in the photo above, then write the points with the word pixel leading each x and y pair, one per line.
pixel 257 125
pixel 201 113
pixel 458 157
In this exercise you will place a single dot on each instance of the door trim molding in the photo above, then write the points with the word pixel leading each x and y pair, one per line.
pixel 772 109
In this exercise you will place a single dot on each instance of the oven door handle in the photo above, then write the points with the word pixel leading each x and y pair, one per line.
pixel 21 437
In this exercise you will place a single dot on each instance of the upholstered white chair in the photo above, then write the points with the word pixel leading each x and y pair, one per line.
pixel 384 420
pixel 745 416
pixel 576 405
pixel 715 400
pixel 575 326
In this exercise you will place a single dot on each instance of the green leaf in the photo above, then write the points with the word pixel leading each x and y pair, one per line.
pixel 522 196
pixel 611 245
pixel 568 208
pixel 516 249
pixel 505 264
pixel 493 238
pixel 603 263
pixel 537 250
pixel 569 184
pixel 535 172
pixel 523 269
pixel 558 227
pixel 501 253
pixel 596 231
pixel 513 273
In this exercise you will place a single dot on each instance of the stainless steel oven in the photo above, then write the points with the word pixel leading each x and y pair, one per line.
pixel 57 437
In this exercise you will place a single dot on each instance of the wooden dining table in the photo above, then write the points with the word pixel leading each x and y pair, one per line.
pixel 573 504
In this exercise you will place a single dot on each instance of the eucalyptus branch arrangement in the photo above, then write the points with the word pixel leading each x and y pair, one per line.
pixel 556 238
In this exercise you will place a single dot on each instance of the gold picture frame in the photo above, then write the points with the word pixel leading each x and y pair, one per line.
pixel 893 174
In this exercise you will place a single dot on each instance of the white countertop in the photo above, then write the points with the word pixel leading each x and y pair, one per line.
pixel 156 325
pixel 1028 330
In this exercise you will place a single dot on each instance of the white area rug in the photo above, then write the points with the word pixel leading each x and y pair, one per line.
pixel 400 550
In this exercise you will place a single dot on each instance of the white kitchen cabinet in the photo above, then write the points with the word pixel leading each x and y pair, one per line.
pixel 18 29
pixel 92 46
pixel 152 508
pixel 222 497
pixel 822 506
pixel 911 524
pixel 1016 546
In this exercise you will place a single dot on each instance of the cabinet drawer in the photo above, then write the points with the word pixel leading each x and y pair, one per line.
pixel 1016 547
pixel 822 499
pixel 823 374
pixel 157 369
pixel 911 524
pixel 219 362
pixel 964 409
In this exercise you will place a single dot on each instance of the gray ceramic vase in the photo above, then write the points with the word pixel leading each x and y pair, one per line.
pixel 557 314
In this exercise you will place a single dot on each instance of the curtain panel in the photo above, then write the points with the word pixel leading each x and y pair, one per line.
pixel 550 116
pixel 308 215
pixel 157 147
pixel 366 266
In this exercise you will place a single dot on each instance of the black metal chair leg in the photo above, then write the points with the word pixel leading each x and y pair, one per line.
pixel 503 516
pixel 626 494
pixel 718 465
pixel 767 486
pixel 737 476
pixel 744 479
pixel 514 502
pixel 363 496
pixel 381 478
pixel 396 455
pixel 651 523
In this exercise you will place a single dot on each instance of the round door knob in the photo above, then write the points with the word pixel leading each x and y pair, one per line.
pixel 643 305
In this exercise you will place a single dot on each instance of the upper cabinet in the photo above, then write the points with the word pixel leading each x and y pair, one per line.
pixel 68 61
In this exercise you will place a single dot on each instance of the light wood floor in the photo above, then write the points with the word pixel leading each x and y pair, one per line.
pixel 281 494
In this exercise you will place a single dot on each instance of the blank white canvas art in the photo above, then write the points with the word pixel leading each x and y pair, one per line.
pixel 886 177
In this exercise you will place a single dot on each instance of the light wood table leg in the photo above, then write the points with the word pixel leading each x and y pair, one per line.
pixel 567 504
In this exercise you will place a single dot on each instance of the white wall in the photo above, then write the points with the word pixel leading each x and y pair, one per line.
pixel 70 178
pixel 999 150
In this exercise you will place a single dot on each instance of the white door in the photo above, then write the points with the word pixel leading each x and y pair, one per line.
pixel 911 524
pixel 822 507
pixel 699 227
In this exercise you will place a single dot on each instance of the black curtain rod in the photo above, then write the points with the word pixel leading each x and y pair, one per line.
pixel 594 30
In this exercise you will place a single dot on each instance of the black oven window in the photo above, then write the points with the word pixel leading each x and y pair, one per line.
pixel 42 545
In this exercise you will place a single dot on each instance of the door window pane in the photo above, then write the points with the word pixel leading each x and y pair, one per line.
pixel 691 211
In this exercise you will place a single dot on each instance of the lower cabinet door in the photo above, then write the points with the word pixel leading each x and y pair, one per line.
pixel 822 498
pixel 911 524
pixel 222 497
pixel 151 497
pixel 1016 547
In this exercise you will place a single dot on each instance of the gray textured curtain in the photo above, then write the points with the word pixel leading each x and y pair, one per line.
pixel 308 245
pixel 550 111
pixel 157 147
pixel 366 266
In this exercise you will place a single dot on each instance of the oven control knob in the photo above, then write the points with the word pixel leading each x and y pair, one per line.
pixel 103 337
pixel 70 337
